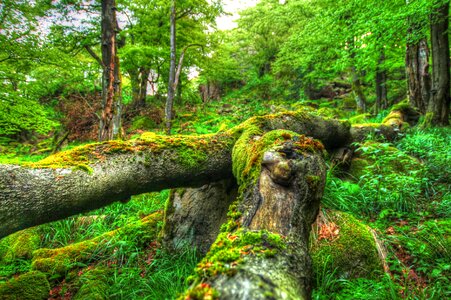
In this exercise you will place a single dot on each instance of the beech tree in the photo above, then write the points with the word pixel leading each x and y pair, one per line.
pixel 439 105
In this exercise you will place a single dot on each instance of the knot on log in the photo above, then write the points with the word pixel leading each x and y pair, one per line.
pixel 281 171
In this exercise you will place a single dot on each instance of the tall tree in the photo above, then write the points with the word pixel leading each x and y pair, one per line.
pixel 110 123
pixel 171 87
pixel 417 59
pixel 439 105
pixel 381 83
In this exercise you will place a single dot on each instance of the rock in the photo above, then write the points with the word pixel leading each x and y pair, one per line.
pixel 344 245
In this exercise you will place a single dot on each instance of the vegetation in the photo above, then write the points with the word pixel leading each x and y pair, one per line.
pixel 69 85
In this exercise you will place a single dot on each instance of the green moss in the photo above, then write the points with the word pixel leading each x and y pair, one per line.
pixel 202 291
pixel 19 245
pixel 61 260
pixel 190 157
pixel 358 166
pixel 402 106
pixel 249 149
pixel 94 285
pixel 313 181
pixel 331 113
pixel 394 160
pixel 229 250
pixel 364 125
pixel 351 250
pixel 349 102
pixel 142 122
pixel 29 286
pixel 428 120
pixel 395 118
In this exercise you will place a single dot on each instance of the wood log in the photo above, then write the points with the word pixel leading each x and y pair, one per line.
pixel 262 251
pixel 95 175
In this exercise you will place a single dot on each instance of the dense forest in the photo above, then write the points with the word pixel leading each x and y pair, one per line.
pixel 219 149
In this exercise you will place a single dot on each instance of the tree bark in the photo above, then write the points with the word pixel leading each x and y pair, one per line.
pixel 139 80
pixel 262 251
pixel 95 175
pixel 439 106
pixel 417 71
pixel 171 87
pixel 360 97
pixel 193 216
pixel 381 84
pixel 110 123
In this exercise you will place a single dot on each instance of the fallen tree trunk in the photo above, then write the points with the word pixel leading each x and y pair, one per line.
pixel 262 251
pixel 96 175
pixel 401 117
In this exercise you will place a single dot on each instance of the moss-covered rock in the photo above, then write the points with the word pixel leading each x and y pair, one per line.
pixel 29 286
pixel 357 168
pixel 94 285
pixel 19 245
pixel 344 244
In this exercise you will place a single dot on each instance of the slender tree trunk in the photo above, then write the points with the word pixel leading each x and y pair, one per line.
pixel 381 84
pixel 139 81
pixel 144 80
pixel 110 123
pixel 417 72
pixel 171 87
pixel 439 106
pixel 360 97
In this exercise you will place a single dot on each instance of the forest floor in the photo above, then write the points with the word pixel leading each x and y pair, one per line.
pixel 400 192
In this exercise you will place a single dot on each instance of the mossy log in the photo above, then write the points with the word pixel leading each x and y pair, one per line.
pixel 262 250
pixel 399 119
pixel 95 175
pixel 28 286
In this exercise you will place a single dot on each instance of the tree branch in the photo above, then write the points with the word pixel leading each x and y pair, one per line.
pixel 94 55
pixel 180 65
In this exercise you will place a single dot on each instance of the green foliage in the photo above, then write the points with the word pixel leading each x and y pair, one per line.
pixel 432 146
pixel 360 288
pixel 19 114
pixel 98 222
pixel 405 198
pixel 160 275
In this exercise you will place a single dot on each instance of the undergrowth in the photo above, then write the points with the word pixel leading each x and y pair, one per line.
pixel 405 196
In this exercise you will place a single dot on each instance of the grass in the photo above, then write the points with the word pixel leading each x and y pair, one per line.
pixel 163 278
pixel 410 208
